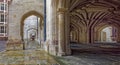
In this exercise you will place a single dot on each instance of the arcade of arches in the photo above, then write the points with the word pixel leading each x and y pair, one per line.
pixel 59 23
pixel 65 22
pixel 33 28
pixel 82 22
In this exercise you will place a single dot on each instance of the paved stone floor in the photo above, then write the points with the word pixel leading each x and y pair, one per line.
pixel 32 45
pixel 91 59
pixel 26 57
pixel 94 54
pixel 33 55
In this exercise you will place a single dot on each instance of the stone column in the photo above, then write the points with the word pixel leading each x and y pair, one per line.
pixel 61 27
pixel 67 33
pixel 118 36
pixel 61 31
pixel 92 35
pixel 87 35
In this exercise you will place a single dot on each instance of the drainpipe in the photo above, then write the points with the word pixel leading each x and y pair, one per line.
pixel 44 20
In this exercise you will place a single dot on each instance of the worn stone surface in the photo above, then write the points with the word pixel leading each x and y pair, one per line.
pixel 92 59
pixel 27 57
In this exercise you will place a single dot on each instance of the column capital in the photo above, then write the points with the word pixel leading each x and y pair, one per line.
pixel 62 10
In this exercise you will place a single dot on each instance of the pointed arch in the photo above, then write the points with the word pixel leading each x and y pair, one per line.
pixel 27 15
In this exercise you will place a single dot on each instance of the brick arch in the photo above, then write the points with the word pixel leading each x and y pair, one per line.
pixel 27 15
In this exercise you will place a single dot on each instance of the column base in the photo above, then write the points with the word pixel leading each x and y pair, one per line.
pixel 69 52
pixel 61 53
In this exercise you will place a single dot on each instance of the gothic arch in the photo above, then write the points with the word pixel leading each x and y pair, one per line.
pixel 100 27
pixel 27 15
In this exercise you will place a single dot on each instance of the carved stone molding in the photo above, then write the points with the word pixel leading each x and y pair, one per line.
pixel 62 10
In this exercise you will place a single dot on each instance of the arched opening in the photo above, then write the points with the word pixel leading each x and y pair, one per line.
pixel 108 34
pixel 75 33
pixel 74 36
pixel 32 30
pixel 31 27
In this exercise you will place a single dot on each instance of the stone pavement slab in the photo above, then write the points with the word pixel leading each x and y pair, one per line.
pixel 26 57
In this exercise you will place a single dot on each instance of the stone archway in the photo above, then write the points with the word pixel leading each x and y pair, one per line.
pixel 40 25
pixel 27 15
pixel 98 29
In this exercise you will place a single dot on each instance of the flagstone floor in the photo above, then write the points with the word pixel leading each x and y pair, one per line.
pixel 26 57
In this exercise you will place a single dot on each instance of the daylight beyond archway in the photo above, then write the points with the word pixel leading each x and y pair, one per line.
pixel 108 34
pixel 32 32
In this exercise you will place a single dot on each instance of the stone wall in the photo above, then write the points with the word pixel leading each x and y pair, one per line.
pixel 16 11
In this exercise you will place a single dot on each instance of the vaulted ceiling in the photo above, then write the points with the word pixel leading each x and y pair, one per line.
pixel 91 13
